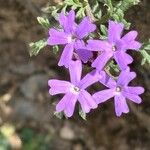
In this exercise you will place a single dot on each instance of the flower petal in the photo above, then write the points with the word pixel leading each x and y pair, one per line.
pixel 82 51
pixel 128 58
pixel 89 79
pixel 134 45
pixel 122 59
pixel 98 45
pixel 86 101
pixel 130 36
pixel 125 77
pixel 84 28
pixel 84 55
pixel 114 31
pixel 107 80
pixel 75 69
pixel 124 45
pixel 133 97
pixel 120 105
pixel 129 40
pixel 66 55
pixel 68 22
pixel 57 37
pixel 67 104
pixel 134 90
pixel 58 86
pixel 100 62
pixel 103 95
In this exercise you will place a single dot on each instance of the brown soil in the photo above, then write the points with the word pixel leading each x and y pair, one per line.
pixel 24 98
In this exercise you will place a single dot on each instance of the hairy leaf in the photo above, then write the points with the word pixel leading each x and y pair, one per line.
pixel 44 22
pixel 145 52
pixel 35 47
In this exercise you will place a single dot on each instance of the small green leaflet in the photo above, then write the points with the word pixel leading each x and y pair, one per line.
pixel 35 47
pixel 82 114
pixel 55 49
pixel 44 22
pixel 59 115
pixel 145 52
pixel 103 30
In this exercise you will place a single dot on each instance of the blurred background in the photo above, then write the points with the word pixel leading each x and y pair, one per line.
pixel 26 109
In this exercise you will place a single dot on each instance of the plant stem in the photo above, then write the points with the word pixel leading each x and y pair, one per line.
pixel 89 11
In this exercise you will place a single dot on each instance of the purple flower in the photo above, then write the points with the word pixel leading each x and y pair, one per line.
pixel 75 90
pixel 72 37
pixel 120 91
pixel 114 47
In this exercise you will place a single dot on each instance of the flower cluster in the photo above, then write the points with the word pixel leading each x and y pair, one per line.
pixel 78 51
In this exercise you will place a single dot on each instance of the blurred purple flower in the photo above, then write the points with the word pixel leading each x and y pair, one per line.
pixel 114 47
pixel 75 90
pixel 120 91
pixel 72 37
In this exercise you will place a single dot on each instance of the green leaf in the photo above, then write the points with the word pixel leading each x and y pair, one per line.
pixel 103 30
pixel 124 5
pixel 82 114
pixel 80 13
pixel 146 57
pixel 118 15
pixel 76 5
pixel 35 47
pixel 145 52
pixel 113 66
pixel 4 142
pixel 44 22
pixel 55 49
pixel 59 115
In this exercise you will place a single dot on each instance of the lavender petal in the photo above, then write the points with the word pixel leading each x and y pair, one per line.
pixel 100 62
pixel 86 101
pixel 125 77
pixel 114 31
pixel 67 22
pixel 84 28
pixel 57 37
pixel 75 69
pixel 134 90
pixel 66 55
pixel 120 105
pixel 103 96
pixel 133 97
pixel 58 86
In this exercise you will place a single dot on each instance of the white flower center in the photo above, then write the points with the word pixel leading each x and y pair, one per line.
pixel 75 89
pixel 71 38
pixel 114 48
pixel 118 89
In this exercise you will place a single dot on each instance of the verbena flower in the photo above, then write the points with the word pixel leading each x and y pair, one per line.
pixel 120 91
pixel 75 90
pixel 114 47
pixel 72 37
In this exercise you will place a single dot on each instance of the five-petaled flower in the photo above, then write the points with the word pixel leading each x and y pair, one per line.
pixel 120 91
pixel 72 37
pixel 75 90
pixel 114 47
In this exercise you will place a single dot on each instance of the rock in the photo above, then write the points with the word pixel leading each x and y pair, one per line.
pixel 25 110
pixel 78 147
pixel 15 142
pixel 24 69
pixel 67 133
pixel 33 85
